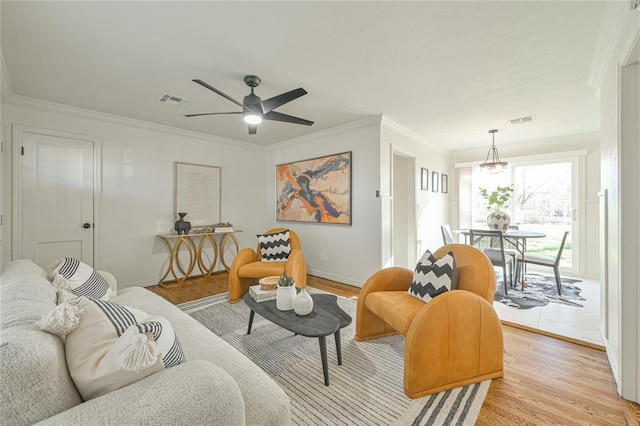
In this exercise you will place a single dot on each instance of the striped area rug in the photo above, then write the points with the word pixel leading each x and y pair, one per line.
pixel 365 390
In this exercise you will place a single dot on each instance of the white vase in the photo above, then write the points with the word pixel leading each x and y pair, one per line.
pixel 303 303
pixel 498 221
pixel 285 297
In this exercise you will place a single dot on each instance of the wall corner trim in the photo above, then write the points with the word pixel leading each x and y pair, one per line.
pixel 6 90
pixel 610 26
pixel 400 129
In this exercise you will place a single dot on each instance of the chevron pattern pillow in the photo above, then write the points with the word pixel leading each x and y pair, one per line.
pixel 275 247
pixel 79 278
pixel 434 276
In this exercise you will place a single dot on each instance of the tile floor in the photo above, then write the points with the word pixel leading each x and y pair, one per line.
pixel 577 323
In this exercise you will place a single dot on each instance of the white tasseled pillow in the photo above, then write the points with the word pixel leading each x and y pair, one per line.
pixel 109 346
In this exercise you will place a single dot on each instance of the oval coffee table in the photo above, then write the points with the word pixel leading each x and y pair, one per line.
pixel 325 319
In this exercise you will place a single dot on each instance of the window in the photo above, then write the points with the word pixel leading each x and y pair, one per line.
pixel 543 201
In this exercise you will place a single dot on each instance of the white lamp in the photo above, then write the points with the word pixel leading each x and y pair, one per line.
pixel 252 117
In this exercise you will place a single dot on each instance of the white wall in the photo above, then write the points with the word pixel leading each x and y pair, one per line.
pixel 619 168
pixel 433 209
pixel 134 209
pixel 352 251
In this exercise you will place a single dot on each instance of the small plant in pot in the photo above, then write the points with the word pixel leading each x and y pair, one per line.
pixel 286 293
pixel 496 200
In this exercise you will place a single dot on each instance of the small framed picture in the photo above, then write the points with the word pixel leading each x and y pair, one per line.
pixel 424 179
pixel 435 178
pixel 444 185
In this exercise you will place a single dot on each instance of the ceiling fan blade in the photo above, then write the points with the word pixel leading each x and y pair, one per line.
pixel 278 116
pixel 212 113
pixel 253 128
pixel 276 101
pixel 224 95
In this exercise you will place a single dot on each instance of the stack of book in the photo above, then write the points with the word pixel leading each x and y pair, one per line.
pixel 260 295
pixel 224 229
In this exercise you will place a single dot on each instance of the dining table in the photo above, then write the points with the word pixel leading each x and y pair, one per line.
pixel 518 239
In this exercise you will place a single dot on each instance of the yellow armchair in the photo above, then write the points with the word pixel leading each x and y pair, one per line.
pixel 453 340
pixel 247 267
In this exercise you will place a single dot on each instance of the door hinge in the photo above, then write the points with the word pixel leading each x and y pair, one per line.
pixel 1 220
pixel 2 146
pixel 22 150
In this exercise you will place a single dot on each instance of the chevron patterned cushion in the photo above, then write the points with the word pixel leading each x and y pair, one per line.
pixel 434 276
pixel 275 247
pixel 79 278
pixel 112 345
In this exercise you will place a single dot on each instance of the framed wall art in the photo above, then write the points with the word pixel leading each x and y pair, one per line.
pixel 435 178
pixel 424 179
pixel 315 190
pixel 197 193
pixel 444 184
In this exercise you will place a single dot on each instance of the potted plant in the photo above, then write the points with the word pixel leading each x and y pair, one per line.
pixel 285 293
pixel 496 200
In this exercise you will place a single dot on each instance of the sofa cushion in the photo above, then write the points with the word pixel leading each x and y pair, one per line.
pixel 115 345
pixel 201 344
pixel 274 247
pixel 79 278
pixel 35 382
pixel 433 276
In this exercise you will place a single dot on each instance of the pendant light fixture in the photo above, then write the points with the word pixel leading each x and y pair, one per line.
pixel 495 165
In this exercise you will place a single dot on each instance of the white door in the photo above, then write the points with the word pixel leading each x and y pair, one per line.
pixel 57 197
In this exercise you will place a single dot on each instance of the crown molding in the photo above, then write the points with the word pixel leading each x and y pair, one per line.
pixel 401 130
pixel 26 102
pixel 6 90
pixel 365 122
pixel 610 27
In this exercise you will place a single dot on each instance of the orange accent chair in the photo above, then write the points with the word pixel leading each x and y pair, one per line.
pixel 453 340
pixel 247 267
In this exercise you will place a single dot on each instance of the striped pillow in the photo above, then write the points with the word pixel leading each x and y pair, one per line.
pixel 79 278
pixel 114 346
pixel 275 247
pixel 433 276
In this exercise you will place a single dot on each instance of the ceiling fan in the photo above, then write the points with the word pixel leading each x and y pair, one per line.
pixel 254 109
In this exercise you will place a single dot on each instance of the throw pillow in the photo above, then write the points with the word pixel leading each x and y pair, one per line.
pixel 79 278
pixel 109 346
pixel 275 247
pixel 433 276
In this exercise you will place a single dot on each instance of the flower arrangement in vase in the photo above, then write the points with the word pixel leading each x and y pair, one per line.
pixel 496 200
pixel 285 293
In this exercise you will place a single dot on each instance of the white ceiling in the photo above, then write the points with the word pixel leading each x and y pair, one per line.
pixel 448 71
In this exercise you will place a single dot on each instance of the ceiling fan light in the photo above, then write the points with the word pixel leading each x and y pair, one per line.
pixel 252 118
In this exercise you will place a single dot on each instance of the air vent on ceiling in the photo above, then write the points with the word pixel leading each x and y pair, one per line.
pixel 522 120
pixel 172 100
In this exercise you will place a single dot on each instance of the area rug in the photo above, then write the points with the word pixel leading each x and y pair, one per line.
pixel 540 291
pixel 366 389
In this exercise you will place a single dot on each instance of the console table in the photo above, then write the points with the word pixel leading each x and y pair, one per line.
pixel 194 245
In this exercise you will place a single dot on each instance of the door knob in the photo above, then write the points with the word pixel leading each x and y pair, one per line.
pixel 86 225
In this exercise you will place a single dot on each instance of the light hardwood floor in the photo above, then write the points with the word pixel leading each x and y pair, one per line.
pixel 546 381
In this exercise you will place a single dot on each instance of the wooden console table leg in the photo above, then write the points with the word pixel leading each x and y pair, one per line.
pixel 223 245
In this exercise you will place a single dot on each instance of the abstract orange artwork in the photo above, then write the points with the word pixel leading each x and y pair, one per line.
pixel 316 190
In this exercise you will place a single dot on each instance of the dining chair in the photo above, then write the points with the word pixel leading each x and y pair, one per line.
pixel 498 256
pixel 447 235
pixel 545 260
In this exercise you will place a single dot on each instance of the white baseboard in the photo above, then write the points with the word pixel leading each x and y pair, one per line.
pixel 338 278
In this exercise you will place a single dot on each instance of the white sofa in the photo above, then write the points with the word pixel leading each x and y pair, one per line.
pixel 216 386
